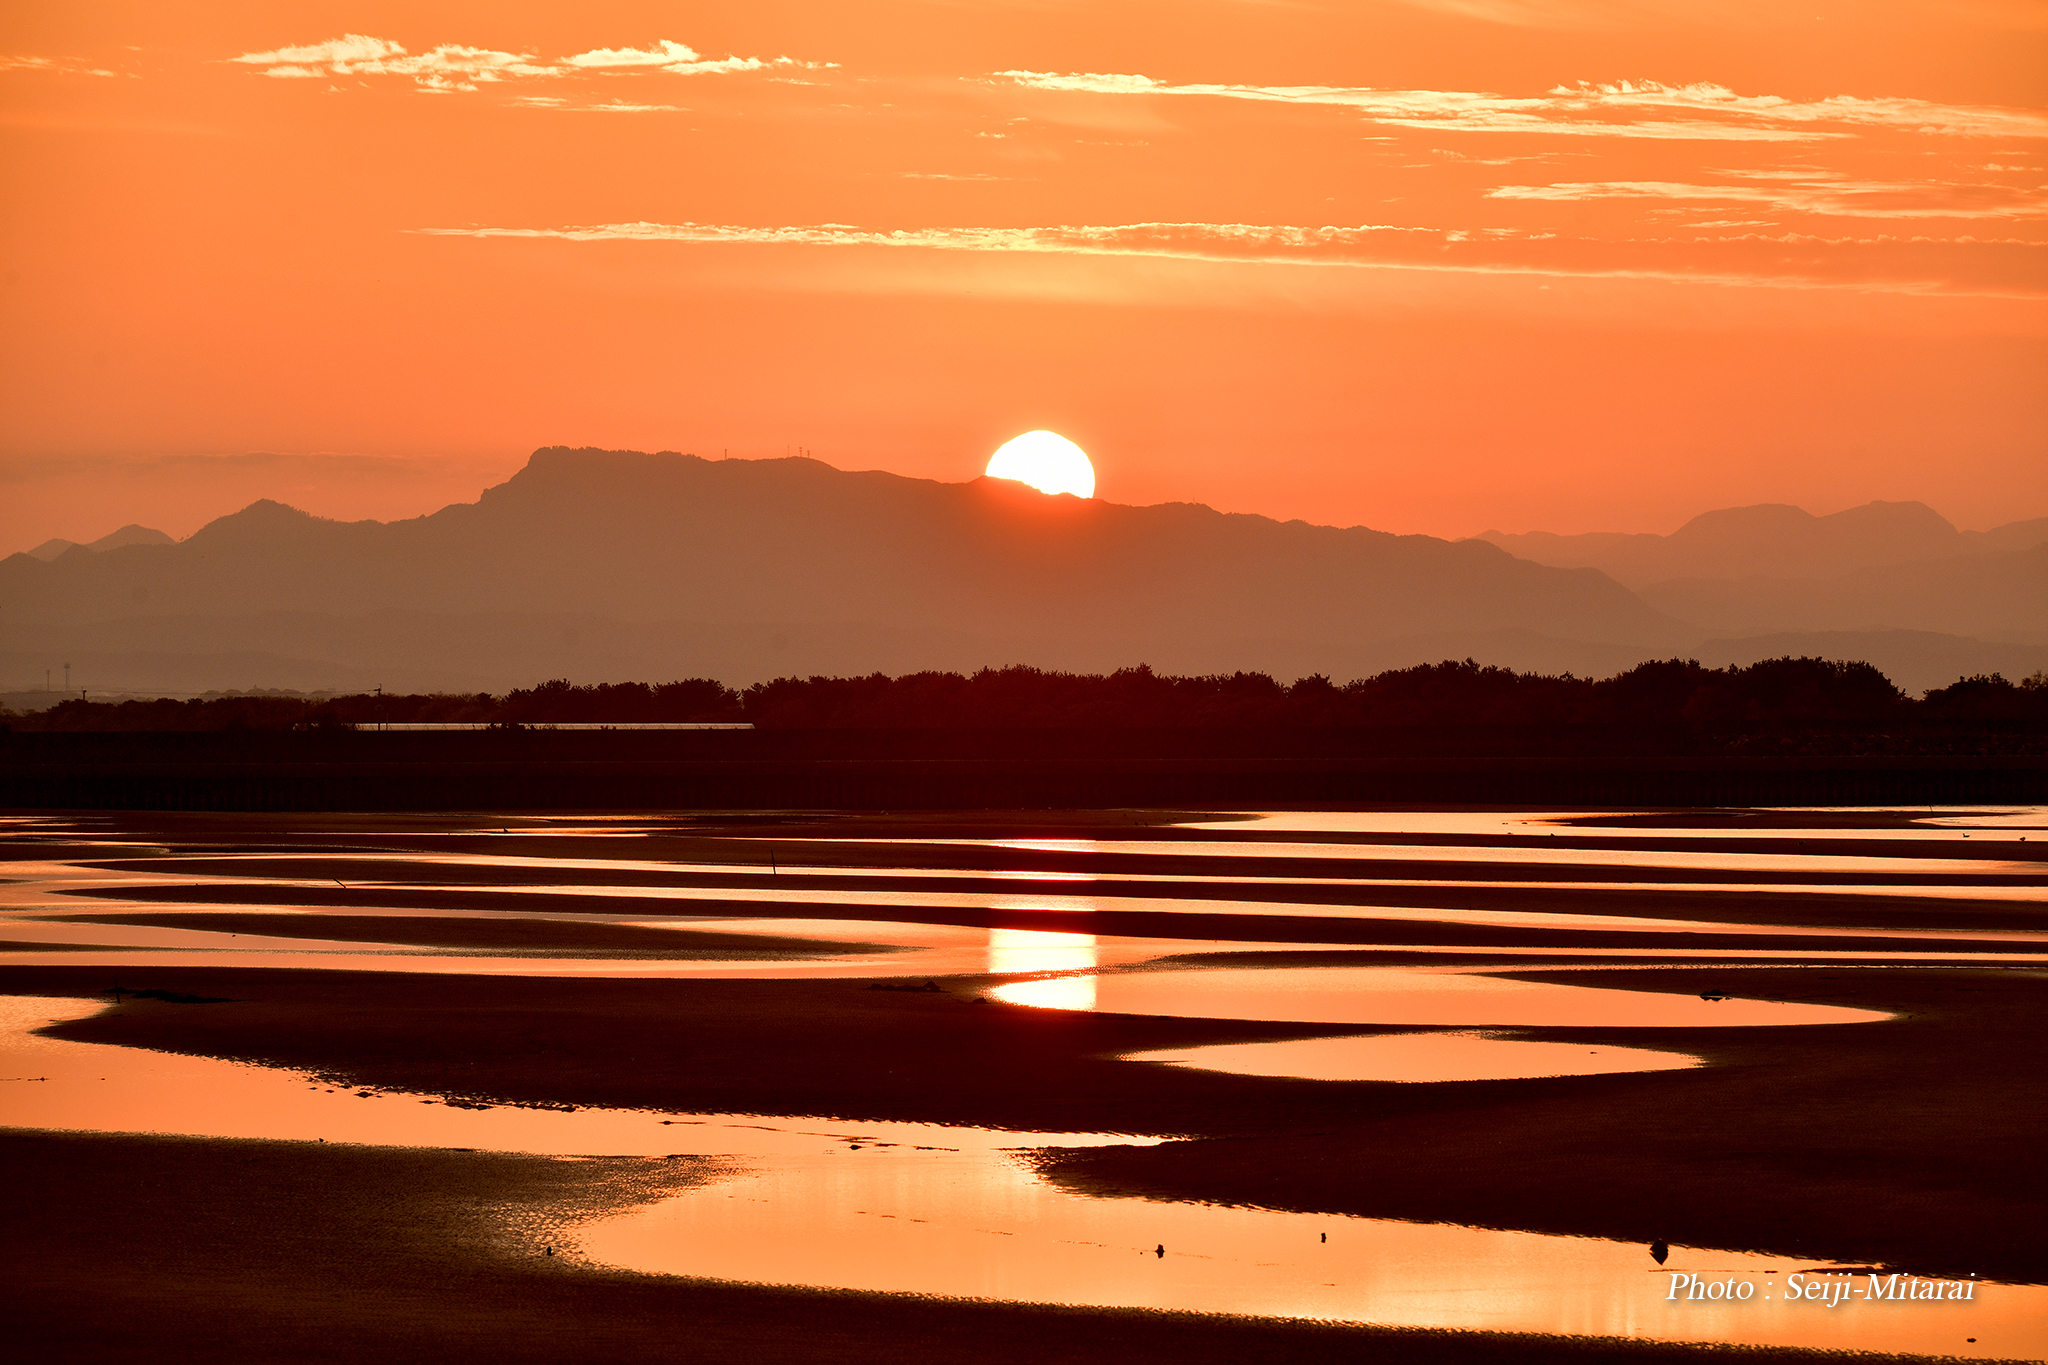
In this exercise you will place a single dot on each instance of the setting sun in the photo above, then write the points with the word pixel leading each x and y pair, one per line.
pixel 1047 461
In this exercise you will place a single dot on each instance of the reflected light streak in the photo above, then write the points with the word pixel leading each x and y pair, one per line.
pixel 1012 951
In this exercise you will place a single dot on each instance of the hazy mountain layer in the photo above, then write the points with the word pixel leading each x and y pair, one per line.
pixel 130 534
pixel 1773 540
pixel 1992 596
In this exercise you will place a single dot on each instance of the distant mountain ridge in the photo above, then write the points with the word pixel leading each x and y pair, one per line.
pixel 1774 540
pixel 1925 601
pixel 130 534
pixel 2001 596
pixel 609 565
pixel 679 555
pixel 638 536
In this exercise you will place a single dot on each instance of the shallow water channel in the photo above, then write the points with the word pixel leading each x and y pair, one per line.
pixel 925 1209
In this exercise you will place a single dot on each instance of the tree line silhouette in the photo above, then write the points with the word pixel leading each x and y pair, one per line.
pixel 1772 694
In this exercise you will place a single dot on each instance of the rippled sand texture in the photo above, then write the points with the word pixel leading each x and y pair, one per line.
pixel 1017 1021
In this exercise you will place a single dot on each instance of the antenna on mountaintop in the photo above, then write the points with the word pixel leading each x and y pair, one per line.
pixel 67 677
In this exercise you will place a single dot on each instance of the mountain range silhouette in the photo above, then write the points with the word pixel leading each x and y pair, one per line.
pixel 596 565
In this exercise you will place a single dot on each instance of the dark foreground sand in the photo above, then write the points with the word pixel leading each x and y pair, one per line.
pixel 137 1249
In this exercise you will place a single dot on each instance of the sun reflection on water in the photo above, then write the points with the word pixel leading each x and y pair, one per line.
pixel 1012 951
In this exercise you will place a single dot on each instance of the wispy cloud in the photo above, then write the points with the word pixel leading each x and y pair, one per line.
pixel 56 66
pixel 603 107
pixel 335 52
pixel 452 66
pixel 1640 109
pixel 677 59
pixel 1812 193
pixel 448 67
pixel 1725 14
pixel 667 52
pixel 1189 241
pixel 1915 265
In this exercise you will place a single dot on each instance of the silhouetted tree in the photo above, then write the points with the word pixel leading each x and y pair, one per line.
pixel 1777 691
pixel 1776 699
pixel 1990 698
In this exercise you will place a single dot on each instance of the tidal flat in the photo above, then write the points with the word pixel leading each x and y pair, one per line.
pixel 817 1086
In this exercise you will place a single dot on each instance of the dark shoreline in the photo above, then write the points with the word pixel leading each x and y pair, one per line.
pixel 984 769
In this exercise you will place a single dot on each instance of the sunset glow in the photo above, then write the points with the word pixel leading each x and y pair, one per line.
pixel 1047 461
pixel 1560 265
pixel 589 771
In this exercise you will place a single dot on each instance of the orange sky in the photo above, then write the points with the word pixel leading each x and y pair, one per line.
pixel 1426 265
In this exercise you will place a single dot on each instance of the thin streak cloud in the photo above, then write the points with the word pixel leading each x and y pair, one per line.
pixel 1646 109
pixel 606 107
pixel 53 66
pixel 1813 195
pixel 1191 241
pixel 1747 259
